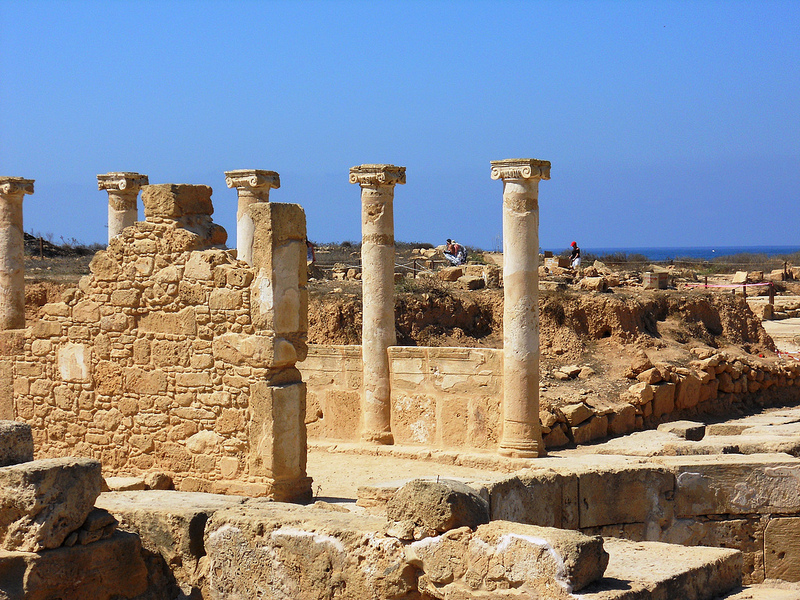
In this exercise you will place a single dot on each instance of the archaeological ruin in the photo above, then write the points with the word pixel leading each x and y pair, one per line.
pixel 157 423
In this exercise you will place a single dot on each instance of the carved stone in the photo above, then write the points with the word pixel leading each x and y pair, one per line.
pixel 12 252
pixel 522 432
pixel 122 188
pixel 377 263
pixel 252 185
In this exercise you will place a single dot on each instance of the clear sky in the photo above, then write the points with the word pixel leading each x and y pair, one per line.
pixel 667 123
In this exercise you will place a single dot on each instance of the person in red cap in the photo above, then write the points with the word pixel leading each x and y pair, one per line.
pixel 575 256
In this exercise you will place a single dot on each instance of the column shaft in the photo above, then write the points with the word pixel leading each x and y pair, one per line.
pixel 252 185
pixel 522 434
pixel 122 211
pixel 12 252
pixel 378 333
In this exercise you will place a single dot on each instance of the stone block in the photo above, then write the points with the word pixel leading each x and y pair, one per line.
pixel 45 500
pixel 277 434
pixel 688 430
pixel 172 201
pixel 577 413
pixel 663 399
pixel 469 282
pixel 542 498
pixel 450 273
pixel 734 484
pixel 170 524
pixel 595 428
pixel 687 393
pixel 623 421
pixel 782 549
pixel 108 569
pixel 438 506
pixel 183 322
pixel 16 443
pixel 594 284
pixel 256 350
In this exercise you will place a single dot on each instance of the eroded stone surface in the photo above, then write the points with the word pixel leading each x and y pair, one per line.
pixel 16 443
pixel 43 501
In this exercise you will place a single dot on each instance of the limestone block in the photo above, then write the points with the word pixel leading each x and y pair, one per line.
pixel 144 382
pixel 129 298
pixel 541 498
pixel 556 437
pixel 167 353
pixel 46 329
pixel 688 430
pixel 623 421
pixel 277 436
pixel 469 282
pixel 414 417
pixel 116 322
pixel 438 506
pixel 43 501
pixel 687 393
pixel 663 399
pixel 595 284
pixel 124 484
pixel 183 322
pixel 86 311
pixel 451 273
pixel 734 484
pixel 270 549
pixel 172 201
pixel 256 350
pixel 225 299
pixel 170 524
pixel 577 413
pixel 108 569
pixel 624 494
pixel 7 387
pixel 739 277
pixel 16 443
pixel 640 393
pixel 544 562
pixel 782 549
pixel 594 429
pixel 104 267
pixel 75 362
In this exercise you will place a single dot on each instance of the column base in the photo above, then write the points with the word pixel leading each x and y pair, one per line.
pixel 380 437
pixel 521 450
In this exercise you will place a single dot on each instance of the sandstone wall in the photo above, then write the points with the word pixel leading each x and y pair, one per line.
pixel 173 355
pixel 451 397
pixel 445 397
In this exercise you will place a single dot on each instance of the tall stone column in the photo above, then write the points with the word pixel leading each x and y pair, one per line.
pixel 377 275
pixel 252 185
pixel 522 432
pixel 122 188
pixel 12 252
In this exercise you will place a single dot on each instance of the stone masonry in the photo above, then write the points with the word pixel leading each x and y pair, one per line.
pixel 173 356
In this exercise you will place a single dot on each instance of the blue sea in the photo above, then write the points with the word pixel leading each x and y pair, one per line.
pixel 697 252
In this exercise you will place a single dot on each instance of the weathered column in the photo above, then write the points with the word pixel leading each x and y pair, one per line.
pixel 252 185
pixel 12 252
pixel 522 432
pixel 377 275
pixel 122 188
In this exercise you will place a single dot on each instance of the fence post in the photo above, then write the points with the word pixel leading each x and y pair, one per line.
pixel 706 281
pixel 772 294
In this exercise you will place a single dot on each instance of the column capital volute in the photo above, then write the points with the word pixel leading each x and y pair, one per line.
pixel 122 182
pixel 378 175
pixel 16 185
pixel 521 168
pixel 252 178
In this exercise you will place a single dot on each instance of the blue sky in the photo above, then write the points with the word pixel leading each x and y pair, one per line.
pixel 667 123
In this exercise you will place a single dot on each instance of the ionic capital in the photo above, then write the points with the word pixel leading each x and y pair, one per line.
pixel 252 178
pixel 15 185
pixel 377 175
pixel 122 182
pixel 520 168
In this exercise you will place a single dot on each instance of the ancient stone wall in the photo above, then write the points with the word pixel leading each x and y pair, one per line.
pixel 173 355
pixel 450 397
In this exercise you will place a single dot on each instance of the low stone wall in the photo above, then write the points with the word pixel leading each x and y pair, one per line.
pixel 441 397
pixel 451 397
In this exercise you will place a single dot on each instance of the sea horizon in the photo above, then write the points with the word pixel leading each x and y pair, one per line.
pixel 659 254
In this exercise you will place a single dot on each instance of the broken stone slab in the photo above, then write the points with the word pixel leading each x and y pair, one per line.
pixel 688 430
pixel 650 570
pixel 110 569
pixel 438 506
pixel 170 524
pixel 124 484
pixel 537 562
pixel 536 497
pixel 16 443
pixel 734 484
pixel 276 550
pixel 43 501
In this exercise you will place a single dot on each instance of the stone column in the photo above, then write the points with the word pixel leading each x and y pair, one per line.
pixel 522 432
pixel 12 252
pixel 122 190
pixel 377 267
pixel 252 185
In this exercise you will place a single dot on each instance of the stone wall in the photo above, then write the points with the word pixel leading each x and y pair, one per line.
pixel 445 397
pixel 174 356
pixel 451 397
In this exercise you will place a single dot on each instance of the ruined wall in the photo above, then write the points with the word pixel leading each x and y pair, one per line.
pixel 451 397
pixel 173 355
pixel 445 397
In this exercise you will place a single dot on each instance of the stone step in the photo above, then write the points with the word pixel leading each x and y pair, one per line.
pixel 657 571
pixel 774 590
